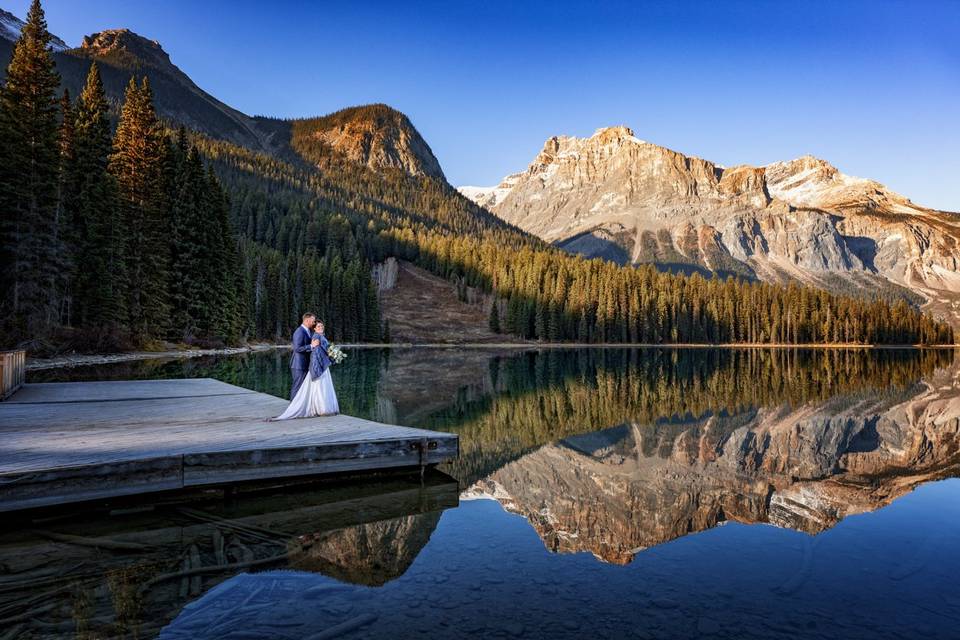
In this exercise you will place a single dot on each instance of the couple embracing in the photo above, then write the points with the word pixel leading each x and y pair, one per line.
pixel 312 393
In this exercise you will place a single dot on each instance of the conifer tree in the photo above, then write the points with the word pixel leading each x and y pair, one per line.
pixel 188 270
pixel 31 251
pixel 225 271
pixel 494 321
pixel 137 163
pixel 68 231
pixel 98 283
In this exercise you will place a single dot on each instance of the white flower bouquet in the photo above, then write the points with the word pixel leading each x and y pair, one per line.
pixel 336 354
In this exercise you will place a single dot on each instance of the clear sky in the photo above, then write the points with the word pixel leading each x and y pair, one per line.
pixel 873 87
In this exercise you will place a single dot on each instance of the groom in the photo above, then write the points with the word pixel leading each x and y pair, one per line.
pixel 302 343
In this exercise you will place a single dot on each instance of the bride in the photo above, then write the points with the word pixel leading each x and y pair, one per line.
pixel 316 396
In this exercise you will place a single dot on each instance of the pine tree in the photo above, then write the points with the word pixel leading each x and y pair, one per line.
pixel 137 163
pixel 31 251
pixel 583 328
pixel 494 321
pixel 68 231
pixel 98 283
pixel 190 270
pixel 226 266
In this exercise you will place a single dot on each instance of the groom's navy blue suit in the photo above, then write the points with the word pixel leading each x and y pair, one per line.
pixel 300 360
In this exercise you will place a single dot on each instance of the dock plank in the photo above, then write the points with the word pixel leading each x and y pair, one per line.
pixel 61 442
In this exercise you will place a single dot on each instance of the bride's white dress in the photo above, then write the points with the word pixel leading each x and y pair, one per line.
pixel 314 398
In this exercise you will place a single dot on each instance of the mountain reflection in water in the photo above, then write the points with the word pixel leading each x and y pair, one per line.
pixel 127 572
pixel 612 452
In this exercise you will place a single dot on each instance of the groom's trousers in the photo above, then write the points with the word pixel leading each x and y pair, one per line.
pixel 298 377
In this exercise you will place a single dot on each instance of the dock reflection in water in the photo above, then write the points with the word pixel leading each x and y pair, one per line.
pixel 128 571
pixel 584 475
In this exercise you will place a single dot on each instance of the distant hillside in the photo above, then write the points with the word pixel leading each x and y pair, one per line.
pixel 422 308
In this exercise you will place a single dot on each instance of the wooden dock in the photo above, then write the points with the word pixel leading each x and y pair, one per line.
pixel 77 441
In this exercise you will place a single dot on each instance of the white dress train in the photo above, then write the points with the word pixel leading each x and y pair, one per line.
pixel 314 398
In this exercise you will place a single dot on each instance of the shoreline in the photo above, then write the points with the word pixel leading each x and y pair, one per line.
pixel 85 360
pixel 92 359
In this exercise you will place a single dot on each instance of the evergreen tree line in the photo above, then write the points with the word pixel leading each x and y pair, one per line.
pixel 123 237
pixel 551 296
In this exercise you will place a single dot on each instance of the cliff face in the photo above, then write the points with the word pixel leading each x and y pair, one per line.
pixel 618 197
pixel 373 135
pixel 624 489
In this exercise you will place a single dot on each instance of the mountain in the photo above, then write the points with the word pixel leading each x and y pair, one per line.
pixel 375 136
pixel 122 53
pixel 615 196
pixel 10 26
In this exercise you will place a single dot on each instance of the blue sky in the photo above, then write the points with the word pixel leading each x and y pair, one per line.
pixel 873 87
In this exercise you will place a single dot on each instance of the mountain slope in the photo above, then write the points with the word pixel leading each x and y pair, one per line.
pixel 618 197
pixel 423 308
pixel 122 53
pixel 375 136
pixel 10 26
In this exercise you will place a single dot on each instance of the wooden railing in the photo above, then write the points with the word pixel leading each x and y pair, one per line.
pixel 12 370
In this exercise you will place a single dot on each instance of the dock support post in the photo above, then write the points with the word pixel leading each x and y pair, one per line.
pixel 423 457
pixel 12 368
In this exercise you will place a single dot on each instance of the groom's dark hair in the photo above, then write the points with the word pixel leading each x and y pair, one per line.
pixel 308 315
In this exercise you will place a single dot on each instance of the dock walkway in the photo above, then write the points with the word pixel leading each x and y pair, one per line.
pixel 75 441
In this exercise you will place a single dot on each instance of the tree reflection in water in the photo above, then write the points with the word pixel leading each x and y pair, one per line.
pixel 609 451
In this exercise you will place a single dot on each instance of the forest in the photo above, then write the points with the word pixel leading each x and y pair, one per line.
pixel 121 237
pixel 115 237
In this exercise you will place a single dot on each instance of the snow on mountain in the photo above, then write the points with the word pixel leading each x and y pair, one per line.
pixel 10 26
pixel 490 196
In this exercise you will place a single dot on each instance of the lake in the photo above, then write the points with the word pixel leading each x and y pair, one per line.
pixel 605 493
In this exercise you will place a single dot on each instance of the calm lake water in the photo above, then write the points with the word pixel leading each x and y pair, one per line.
pixel 600 493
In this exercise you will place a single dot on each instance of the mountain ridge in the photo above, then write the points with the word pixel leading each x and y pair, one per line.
pixel 615 196
pixel 376 136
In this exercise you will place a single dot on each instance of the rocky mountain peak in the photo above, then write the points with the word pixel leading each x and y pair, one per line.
pixel 618 133
pixel 745 180
pixel 809 181
pixel 617 197
pixel 375 135
pixel 123 43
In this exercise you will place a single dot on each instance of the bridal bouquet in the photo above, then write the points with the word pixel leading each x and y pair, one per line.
pixel 336 354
